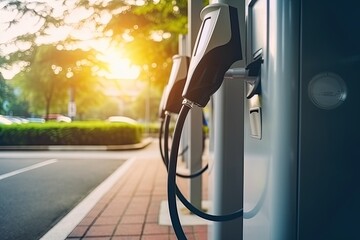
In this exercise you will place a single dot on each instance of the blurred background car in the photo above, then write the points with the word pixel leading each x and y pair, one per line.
pixel 17 120
pixel 12 120
pixel 36 120
pixel 57 117
pixel 5 121
pixel 121 119
pixel 62 118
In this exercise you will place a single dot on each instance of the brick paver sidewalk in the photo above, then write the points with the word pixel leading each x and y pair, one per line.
pixel 130 210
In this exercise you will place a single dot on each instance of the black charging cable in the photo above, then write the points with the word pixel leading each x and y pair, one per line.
pixel 165 154
pixel 174 191
pixel 160 139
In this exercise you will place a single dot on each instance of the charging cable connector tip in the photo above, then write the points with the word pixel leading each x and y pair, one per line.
pixel 188 103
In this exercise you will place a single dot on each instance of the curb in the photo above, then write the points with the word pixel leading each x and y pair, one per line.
pixel 144 143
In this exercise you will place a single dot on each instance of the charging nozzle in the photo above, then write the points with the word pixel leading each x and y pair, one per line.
pixel 175 86
pixel 217 47
pixel 162 103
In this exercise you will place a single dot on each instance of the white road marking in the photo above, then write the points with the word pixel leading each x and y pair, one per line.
pixel 63 228
pixel 32 167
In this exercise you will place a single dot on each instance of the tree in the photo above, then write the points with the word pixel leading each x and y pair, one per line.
pixel 87 87
pixel 46 81
pixel 9 104
pixel 6 96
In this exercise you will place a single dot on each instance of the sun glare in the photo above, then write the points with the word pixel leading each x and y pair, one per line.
pixel 118 66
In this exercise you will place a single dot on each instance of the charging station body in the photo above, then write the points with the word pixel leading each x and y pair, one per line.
pixel 301 176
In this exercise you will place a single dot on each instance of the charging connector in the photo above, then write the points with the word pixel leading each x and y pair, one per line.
pixel 214 52
pixel 175 86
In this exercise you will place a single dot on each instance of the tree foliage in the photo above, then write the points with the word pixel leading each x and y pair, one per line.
pixel 9 103
pixel 46 81
pixel 6 96
pixel 147 32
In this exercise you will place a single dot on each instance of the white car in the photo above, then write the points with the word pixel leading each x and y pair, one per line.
pixel 62 118
pixel 121 119
pixel 5 121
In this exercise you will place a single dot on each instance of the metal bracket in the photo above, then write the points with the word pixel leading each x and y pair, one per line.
pixel 251 75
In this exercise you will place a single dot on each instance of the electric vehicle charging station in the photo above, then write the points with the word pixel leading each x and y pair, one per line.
pixel 300 158
pixel 219 34
pixel 171 100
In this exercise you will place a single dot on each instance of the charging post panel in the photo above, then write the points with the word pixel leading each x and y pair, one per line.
pixel 301 175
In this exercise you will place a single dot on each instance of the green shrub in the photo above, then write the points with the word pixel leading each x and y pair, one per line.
pixel 76 133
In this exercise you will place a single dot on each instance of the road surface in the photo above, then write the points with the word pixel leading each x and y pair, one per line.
pixel 38 188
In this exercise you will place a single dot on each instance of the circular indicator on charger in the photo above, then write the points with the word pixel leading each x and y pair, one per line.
pixel 327 90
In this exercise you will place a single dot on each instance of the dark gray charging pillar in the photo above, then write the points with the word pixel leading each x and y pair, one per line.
pixel 194 119
pixel 228 150
pixel 227 171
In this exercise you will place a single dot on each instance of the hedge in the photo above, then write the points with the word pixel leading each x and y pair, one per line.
pixel 76 133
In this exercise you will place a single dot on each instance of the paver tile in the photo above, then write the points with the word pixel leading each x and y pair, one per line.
pixel 104 220
pixel 128 229
pixel 126 219
pixel 101 231
pixel 154 228
pixel 78 231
